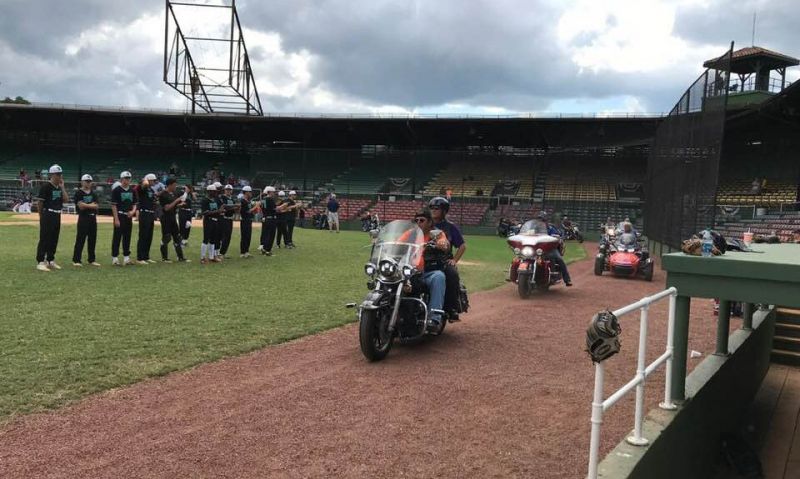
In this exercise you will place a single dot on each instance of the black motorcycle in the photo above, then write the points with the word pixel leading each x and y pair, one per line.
pixel 572 232
pixel 397 305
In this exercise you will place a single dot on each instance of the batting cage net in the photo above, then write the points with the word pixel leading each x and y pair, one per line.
pixel 683 167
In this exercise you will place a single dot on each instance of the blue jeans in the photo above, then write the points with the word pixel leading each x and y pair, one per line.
pixel 434 280
pixel 556 257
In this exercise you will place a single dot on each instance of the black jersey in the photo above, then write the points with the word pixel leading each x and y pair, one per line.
pixel 268 207
pixel 84 197
pixel 51 196
pixel 146 198
pixel 289 214
pixel 228 202
pixel 124 199
pixel 210 206
pixel 247 205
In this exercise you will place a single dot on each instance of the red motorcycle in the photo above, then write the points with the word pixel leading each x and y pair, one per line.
pixel 625 257
pixel 532 267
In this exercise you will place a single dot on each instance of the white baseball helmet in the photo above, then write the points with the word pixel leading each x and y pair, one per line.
pixel 55 169
pixel 217 184
pixel 125 174
pixel 247 189
pixel 293 192
pixel 281 193
pixel 269 188
pixel 228 187
pixel 150 177
pixel 86 178
pixel 333 195
pixel 211 187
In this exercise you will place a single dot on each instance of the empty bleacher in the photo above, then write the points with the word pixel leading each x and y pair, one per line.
pixel 739 192
pixel 782 224
pixel 480 177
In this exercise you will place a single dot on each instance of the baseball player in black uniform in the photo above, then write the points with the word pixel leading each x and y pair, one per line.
pixel 186 213
pixel 170 202
pixel 269 217
pixel 247 208
pixel 86 202
pixel 147 219
pixel 283 217
pixel 210 210
pixel 123 208
pixel 50 200
pixel 231 207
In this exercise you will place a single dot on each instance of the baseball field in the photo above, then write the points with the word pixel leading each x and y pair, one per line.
pixel 70 333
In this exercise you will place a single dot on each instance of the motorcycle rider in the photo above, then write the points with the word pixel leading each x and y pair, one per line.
pixel 439 207
pixel 555 254
pixel 432 262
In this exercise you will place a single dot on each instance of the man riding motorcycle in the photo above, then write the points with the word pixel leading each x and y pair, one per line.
pixel 556 255
pixel 439 207
pixel 433 262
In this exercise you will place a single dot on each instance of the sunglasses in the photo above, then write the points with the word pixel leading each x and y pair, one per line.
pixel 420 220
pixel 435 208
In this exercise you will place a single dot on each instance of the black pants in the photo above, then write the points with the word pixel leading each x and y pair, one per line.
pixel 453 283
pixel 87 231
pixel 184 216
pixel 246 230
pixel 268 229
pixel 226 230
pixel 290 232
pixel 123 233
pixel 49 229
pixel 562 266
pixel 211 231
pixel 170 231
pixel 281 233
pixel 146 222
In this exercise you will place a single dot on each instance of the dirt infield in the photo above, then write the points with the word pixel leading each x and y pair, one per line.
pixel 505 393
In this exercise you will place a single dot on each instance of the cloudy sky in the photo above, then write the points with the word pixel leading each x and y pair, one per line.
pixel 396 56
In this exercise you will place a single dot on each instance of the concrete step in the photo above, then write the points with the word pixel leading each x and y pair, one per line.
pixel 787 329
pixel 786 343
pixel 790 358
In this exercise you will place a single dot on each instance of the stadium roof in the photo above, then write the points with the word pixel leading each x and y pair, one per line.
pixel 338 132
pixel 745 60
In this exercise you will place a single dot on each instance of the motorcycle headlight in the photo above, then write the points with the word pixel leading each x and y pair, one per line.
pixel 387 268
pixel 527 251
pixel 407 271
pixel 369 269
pixel 517 251
pixel 539 251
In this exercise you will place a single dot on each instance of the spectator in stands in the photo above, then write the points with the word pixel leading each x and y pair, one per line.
pixel 173 169
pixel 333 213
pixel 439 207
pixel 796 234
pixel 38 175
pixel 110 180
pixel 51 199
pixel 756 186
pixel 479 192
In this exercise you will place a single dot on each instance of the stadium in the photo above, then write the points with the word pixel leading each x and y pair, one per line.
pixel 251 367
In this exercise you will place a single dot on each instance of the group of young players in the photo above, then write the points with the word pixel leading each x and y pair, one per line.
pixel 151 200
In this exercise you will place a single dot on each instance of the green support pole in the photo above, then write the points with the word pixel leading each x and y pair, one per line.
pixel 681 346
pixel 747 316
pixel 723 326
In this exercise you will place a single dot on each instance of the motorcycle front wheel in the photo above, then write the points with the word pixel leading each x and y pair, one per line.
pixel 375 342
pixel 524 285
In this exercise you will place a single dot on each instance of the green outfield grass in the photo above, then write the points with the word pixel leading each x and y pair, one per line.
pixel 70 333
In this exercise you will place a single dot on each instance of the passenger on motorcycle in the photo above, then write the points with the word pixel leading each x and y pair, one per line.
pixel 555 255
pixel 439 207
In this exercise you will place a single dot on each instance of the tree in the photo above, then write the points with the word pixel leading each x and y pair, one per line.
pixel 17 101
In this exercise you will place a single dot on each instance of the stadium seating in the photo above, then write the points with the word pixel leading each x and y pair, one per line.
pixel 782 224
pixel 349 208
pixel 737 192
pixel 482 175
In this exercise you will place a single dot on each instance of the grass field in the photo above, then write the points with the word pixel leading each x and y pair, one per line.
pixel 70 333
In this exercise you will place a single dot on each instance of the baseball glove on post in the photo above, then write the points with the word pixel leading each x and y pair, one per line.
pixel 602 336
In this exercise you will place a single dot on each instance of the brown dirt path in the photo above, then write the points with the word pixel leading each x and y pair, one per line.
pixel 505 393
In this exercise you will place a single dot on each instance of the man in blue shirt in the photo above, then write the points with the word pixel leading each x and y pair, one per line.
pixel 439 207
pixel 333 213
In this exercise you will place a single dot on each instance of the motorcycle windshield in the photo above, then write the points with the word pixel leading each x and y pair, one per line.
pixel 533 227
pixel 400 241
pixel 627 240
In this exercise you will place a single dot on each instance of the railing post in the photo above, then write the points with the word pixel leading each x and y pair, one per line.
pixel 668 404
pixel 747 316
pixel 636 439
pixel 723 327
pixel 680 346
pixel 597 420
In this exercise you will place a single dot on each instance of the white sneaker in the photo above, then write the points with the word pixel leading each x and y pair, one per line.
pixel 151 261
pixel 42 266
pixel 184 243
pixel 95 263
pixel 77 265
pixel 53 265
pixel 115 262
pixel 127 261
pixel 142 263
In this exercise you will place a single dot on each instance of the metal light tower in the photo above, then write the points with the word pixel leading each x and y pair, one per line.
pixel 206 60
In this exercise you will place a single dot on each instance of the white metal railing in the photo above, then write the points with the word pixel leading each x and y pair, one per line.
pixel 600 406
